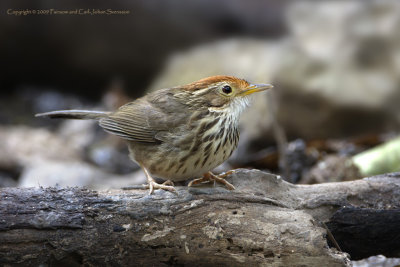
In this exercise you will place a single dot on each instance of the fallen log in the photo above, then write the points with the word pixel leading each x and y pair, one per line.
pixel 265 221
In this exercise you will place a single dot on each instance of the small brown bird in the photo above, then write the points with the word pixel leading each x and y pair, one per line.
pixel 181 132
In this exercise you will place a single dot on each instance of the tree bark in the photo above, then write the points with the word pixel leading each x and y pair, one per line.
pixel 265 221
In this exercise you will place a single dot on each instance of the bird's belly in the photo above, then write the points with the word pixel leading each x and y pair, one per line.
pixel 188 160
pixel 179 167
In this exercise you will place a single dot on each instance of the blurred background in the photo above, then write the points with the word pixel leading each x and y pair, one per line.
pixel 334 114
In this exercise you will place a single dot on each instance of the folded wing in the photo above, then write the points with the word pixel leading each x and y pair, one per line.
pixel 145 119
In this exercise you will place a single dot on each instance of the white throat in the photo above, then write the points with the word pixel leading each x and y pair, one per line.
pixel 235 108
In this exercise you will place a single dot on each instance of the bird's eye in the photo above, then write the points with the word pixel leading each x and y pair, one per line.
pixel 227 89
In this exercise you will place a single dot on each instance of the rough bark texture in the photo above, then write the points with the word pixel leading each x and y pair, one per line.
pixel 265 221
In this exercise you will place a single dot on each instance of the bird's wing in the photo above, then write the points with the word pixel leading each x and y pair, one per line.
pixel 144 119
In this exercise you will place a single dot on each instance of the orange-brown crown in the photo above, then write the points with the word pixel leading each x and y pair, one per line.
pixel 206 82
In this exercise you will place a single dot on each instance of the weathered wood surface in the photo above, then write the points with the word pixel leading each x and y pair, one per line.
pixel 265 221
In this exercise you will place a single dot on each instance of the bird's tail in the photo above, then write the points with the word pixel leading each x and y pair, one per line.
pixel 74 114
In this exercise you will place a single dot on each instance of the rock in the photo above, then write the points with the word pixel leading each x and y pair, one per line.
pixel 22 146
pixel 111 157
pixel 79 134
pixel 48 159
pixel 332 168
pixel 60 173
pixel 343 64
pixel 377 261
pixel 75 173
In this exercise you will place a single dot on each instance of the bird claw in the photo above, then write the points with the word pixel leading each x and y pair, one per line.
pixel 210 177
pixel 167 185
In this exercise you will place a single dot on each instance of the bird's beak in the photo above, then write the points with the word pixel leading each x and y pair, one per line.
pixel 254 88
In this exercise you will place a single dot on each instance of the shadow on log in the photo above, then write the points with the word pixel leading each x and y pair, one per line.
pixel 266 221
pixel 365 232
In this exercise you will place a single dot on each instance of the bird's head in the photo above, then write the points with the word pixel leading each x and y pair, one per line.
pixel 221 93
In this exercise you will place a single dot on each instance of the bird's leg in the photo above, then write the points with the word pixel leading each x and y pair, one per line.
pixel 152 184
pixel 209 176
